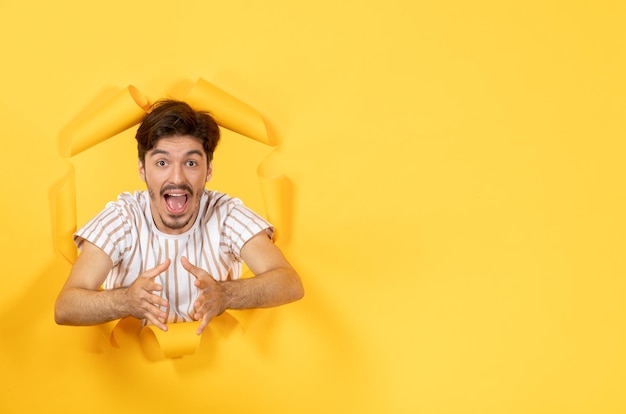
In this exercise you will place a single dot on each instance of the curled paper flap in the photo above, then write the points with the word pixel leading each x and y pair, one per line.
pixel 65 217
pixel 244 317
pixel 274 199
pixel 124 110
pixel 123 332
pixel 228 111
pixel 179 340
pixel 100 337
pixel 106 329
pixel 275 193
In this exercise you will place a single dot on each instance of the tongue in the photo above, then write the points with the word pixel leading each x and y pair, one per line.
pixel 176 203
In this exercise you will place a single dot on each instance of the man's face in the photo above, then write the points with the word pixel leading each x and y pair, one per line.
pixel 175 171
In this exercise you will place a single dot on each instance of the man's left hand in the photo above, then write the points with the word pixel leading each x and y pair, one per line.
pixel 212 299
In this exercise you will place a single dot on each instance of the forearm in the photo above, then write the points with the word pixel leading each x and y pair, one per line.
pixel 272 288
pixel 78 306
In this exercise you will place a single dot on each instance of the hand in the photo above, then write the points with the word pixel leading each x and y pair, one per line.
pixel 211 300
pixel 142 303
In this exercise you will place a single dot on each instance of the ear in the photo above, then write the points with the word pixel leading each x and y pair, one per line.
pixel 209 172
pixel 142 171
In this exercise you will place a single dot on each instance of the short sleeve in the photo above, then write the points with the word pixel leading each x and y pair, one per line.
pixel 240 225
pixel 108 230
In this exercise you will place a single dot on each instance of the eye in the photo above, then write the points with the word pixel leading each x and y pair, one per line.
pixel 161 163
pixel 191 163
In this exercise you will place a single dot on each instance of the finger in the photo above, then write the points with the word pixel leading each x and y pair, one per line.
pixel 189 267
pixel 203 308
pixel 205 321
pixel 157 300
pixel 153 304
pixel 201 284
pixel 200 309
pixel 151 292
pixel 157 270
pixel 156 316
pixel 197 307
pixel 198 273
pixel 156 322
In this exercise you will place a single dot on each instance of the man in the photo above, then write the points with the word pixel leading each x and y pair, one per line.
pixel 174 253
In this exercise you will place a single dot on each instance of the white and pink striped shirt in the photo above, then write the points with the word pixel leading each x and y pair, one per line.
pixel 125 231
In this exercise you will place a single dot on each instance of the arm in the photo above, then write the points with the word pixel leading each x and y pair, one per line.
pixel 81 302
pixel 275 282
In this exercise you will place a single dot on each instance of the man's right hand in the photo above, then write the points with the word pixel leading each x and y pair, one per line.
pixel 142 302
pixel 83 302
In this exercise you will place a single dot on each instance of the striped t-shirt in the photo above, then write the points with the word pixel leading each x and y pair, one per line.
pixel 125 231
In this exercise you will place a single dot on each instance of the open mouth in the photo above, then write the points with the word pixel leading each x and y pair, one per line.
pixel 176 203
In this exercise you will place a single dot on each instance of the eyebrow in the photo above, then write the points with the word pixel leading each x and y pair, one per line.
pixel 158 151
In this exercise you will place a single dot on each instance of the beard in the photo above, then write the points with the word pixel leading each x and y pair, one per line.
pixel 175 222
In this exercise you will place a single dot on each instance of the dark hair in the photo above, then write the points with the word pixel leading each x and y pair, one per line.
pixel 169 118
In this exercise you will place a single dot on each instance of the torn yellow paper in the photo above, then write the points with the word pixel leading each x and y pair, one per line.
pixel 179 340
pixel 275 194
pixel 228 111
pixel 64 196
pixel 126 109
pixel 273 190
pixel 119 113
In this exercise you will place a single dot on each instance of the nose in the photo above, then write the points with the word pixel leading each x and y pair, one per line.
pixel 177 175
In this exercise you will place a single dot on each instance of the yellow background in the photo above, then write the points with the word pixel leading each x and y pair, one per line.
pixel 458 202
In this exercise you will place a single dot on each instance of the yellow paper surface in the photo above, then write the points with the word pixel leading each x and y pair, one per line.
pixel 228 111
pixel 120 112
pixel 179 340
pixel 458 203
pixel 274 198
pixel 64 196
